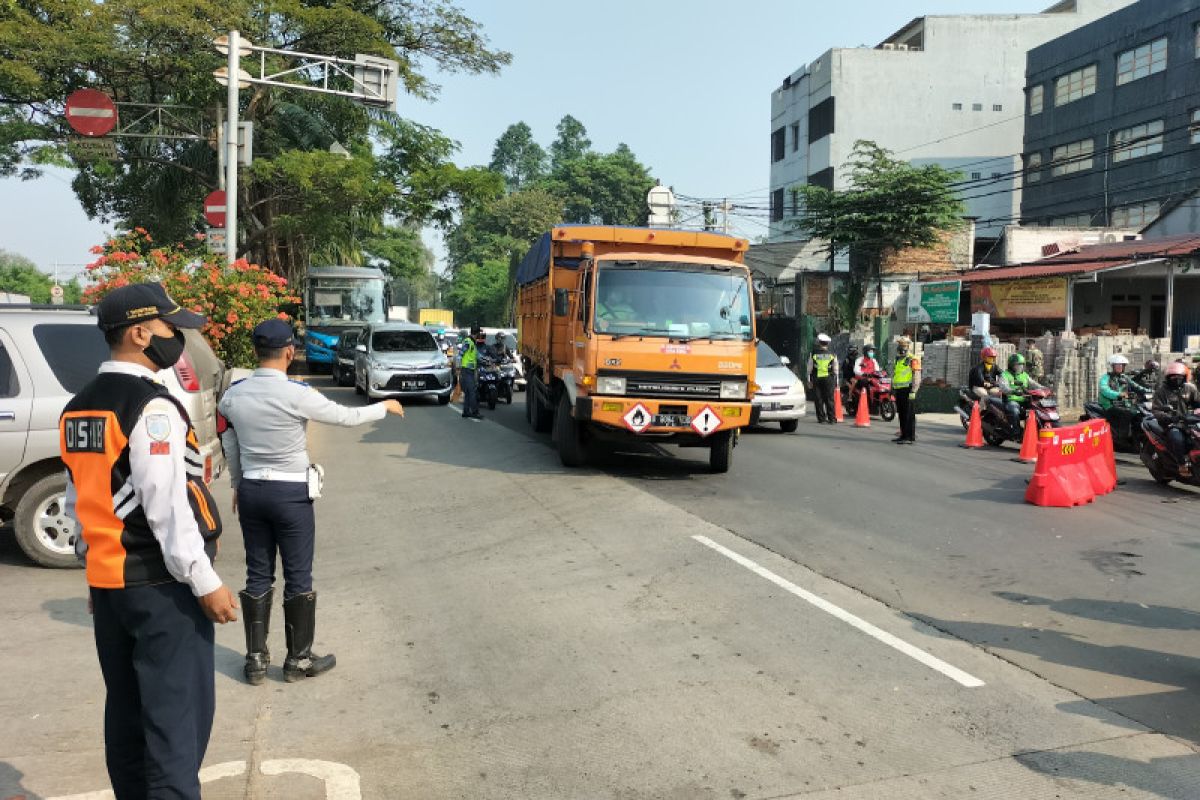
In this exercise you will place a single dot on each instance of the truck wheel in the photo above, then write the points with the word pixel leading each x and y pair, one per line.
pixel 569 435
pixel 41 524
pixel 720 455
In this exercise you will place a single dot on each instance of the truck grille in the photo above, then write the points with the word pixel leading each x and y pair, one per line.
pixel 671 385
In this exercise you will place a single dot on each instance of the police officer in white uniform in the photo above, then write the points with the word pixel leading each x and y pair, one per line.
pixel 264 419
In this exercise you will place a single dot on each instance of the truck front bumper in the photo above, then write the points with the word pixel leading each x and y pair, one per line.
pixel 667 419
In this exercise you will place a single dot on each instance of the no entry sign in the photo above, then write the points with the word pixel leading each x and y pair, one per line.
pixel 91 112
pixel 214 208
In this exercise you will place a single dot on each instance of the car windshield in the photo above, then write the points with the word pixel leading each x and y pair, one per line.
pixel 767 357
pixel 402 342
pixel 506 340
pixel 334 300
pixel 679 301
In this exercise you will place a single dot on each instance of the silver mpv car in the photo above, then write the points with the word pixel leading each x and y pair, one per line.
pixel 46 355
pixel 400 359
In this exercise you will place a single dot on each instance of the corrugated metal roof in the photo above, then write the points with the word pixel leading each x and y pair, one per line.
pixel 1092 259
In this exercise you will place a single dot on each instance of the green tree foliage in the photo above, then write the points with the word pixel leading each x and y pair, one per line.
pixel 479 292
pixel 19 275
pixel 400 252
pixel 889 205
pixel 571 143
pixel 518 158
pixel 607 187
pixel 503 228
pixel 161 52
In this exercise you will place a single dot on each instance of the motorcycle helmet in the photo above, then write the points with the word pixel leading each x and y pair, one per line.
pixel 988 354
pixel 1175 375
pixel 902 344
pixel 869 351
pixel 1151 366
pixel 823 338
pixel 1016 363
pixel 1117 360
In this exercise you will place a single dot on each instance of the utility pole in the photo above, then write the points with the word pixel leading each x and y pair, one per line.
pixel 725 216
pixel 231 147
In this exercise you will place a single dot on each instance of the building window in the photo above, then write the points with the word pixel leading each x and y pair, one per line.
pixel 957 106
pixel 823 178
pixel 795 136
pixel 777 205
pixel 976 176
pixel 1138 141
pixel 820 120
pixel 997 107
pixel 977 106
pixel 795 202
pixel 1033 167
pixel 1198 41
pixel 777 145
pixel 1194 128
pixel 1142 61
pixel 1074 85
pixel 1135 215
pixel 1073 157
pixel 1083 220
pixel 1036 97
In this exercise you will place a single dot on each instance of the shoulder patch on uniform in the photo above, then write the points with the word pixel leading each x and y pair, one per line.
pixel 158 427
pixel 235 383
pixel 300 383
pixel 160 448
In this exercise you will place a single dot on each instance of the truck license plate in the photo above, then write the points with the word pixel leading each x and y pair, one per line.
pixel 671 421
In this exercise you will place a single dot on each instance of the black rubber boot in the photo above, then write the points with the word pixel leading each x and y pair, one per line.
pixel 300 623
pixel 256 617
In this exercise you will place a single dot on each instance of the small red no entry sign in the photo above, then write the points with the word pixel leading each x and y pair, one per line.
pixel 91 112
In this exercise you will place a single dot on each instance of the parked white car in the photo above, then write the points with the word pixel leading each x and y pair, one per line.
pixel 780 396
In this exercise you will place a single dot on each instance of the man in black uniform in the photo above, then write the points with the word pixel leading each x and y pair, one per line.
pixel 149 534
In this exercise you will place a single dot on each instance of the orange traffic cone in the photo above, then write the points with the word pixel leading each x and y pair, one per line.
pixel 839 415
pixel 862 419
pixel 1029 442
pixel 974 429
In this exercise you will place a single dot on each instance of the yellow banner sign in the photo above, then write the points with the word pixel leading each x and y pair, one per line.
pixel 1038 298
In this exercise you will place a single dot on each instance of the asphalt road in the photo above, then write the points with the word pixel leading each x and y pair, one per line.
pixel 837 617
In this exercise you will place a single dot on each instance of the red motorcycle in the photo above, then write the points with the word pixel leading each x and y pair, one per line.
pixel 881 400
pixel 1156 452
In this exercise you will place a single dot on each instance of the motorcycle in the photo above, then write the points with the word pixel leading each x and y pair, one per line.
pixel 508 378
pixel 1156 452
pixel 488 376
pixel 881 400
pixel 1127 431
pixel 997 428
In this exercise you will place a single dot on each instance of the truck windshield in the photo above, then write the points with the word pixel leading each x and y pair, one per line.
pixel 684 301
pixel 334 300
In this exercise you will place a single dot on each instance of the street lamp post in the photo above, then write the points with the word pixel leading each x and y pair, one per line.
pixel 231 147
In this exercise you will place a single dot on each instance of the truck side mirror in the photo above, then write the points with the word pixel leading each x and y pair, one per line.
pixel 562 302
pixel 362 348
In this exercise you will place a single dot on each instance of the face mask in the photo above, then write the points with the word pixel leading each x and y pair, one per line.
pixel 164 351
pixel 1175 381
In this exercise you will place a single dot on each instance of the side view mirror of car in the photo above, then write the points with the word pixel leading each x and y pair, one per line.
pixel 787 362
pixel 362 348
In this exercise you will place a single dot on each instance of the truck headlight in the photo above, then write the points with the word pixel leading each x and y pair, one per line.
pixel 610 385
pixel 733 390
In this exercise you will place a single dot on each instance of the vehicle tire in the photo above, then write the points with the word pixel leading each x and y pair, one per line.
pixel 720 454
pixel 491 400
pixel 1153 464
pixel 789 425
pixel 569 435
pixel 993 437
pixel 540 417
pixel 358 389
pixel 887 410
pixel 41 525
pixel 444 399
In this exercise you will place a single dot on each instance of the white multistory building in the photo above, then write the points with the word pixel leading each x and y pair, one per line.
pixel 943 89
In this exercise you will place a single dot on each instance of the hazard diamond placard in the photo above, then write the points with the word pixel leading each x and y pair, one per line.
pixel 706 421
pixel 638 418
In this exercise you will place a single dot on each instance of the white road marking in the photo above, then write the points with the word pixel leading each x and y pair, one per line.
pixel 950 671
pixel 341 782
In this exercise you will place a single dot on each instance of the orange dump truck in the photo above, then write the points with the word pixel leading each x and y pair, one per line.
pixel 637 334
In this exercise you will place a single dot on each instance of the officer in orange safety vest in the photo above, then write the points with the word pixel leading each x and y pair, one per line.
pixel 148 532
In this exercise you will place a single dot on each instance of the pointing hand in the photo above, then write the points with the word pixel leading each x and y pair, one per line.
pixel 394 407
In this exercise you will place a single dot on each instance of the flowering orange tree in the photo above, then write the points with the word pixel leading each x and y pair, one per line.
pixel 234 299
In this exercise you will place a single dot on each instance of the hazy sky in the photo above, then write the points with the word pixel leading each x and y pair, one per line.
pixel 685 83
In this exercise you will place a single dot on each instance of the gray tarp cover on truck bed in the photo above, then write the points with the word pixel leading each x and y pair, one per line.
pixel 536 263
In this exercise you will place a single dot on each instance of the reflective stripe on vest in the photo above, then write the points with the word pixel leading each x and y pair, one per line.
pixel 902 376
pixel 824 363
pixel 470 357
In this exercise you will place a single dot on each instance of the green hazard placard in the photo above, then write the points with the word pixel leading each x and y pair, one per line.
pixel 934 302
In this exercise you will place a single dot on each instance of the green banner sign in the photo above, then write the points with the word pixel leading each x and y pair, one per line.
pixel 934 302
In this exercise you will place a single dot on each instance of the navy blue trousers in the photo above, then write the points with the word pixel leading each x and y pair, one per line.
pixel 156 652
pixel 470 385
pixel 277 518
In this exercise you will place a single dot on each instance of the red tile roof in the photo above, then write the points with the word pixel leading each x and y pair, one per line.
pixel 1091 259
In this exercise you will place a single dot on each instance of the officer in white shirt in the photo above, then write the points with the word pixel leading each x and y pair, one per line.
pixel 264 419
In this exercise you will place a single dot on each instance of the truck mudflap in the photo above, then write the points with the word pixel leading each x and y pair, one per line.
pixel 663 418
